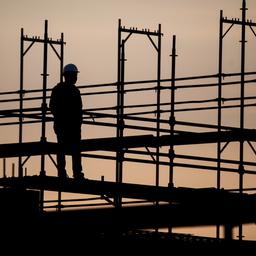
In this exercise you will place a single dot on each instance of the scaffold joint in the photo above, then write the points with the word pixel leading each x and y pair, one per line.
pixel 172 120
pixel 171 154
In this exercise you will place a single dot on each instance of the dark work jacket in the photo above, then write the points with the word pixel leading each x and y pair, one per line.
pixel 66 107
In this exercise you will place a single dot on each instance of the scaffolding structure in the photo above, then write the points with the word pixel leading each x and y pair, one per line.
pixel 158 131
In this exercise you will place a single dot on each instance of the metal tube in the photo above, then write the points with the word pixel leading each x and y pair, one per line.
pixel 243 41
pixel 61 56
pixel 158 100
pixel 121 110
pixel 172 116
pixel 220 99
pixel 44 105
pixel 20 172
pixel 219 110
pixel 241 148
pixel 117 199
pixel 120 118
pixel 44 109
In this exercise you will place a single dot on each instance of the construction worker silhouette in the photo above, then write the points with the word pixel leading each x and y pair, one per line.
pixel 66 108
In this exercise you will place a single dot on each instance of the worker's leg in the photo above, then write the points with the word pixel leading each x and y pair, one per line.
pixel 61 161
pixel 76 156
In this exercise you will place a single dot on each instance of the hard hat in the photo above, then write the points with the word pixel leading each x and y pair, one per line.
pixel 70 68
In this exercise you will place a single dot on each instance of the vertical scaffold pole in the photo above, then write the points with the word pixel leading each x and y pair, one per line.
pixel 61 80
pixel 120 109
pixel 172 116
pixel 243 41
pixel 44 104
pixel 219 109
pixel 44 109
pixel 158 100
pixel 61 57
pixel 20 172
pixel 118 87
pixel 241 155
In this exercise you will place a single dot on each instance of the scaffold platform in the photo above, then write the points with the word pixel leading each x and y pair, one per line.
pixel 114 144
pixel 206 206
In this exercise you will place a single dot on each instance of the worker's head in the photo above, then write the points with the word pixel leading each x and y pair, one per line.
pixel 70 72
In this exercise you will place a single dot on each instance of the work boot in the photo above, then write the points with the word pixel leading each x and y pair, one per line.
pixel 62 174
pixel 78 176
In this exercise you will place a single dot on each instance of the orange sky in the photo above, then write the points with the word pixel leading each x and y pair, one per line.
pixel 90 30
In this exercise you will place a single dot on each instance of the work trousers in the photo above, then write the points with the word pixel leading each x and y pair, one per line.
pixel 69 143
